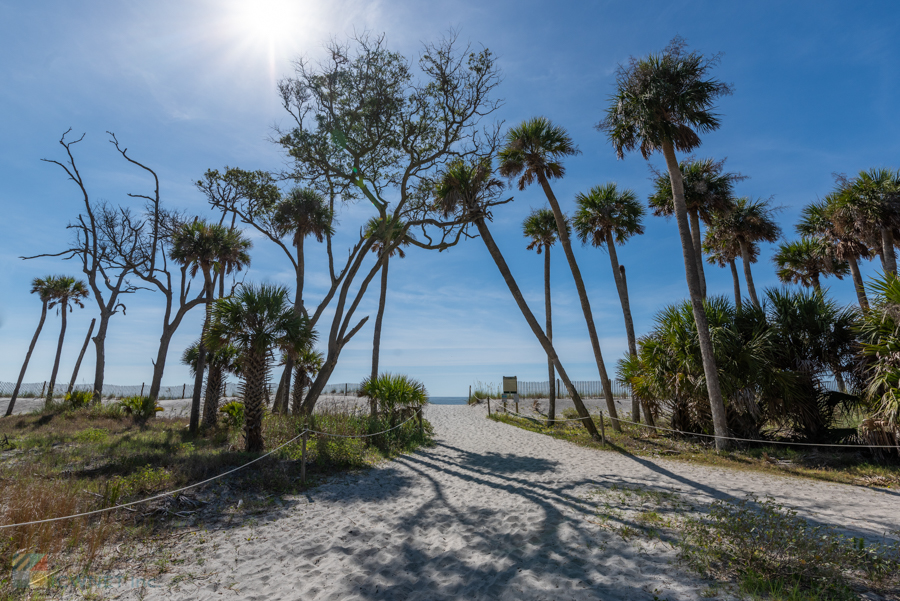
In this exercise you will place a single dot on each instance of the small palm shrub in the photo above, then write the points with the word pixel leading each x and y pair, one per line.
pixel 233 414
pixel 397 395
pixel 78 399
pixel 140 408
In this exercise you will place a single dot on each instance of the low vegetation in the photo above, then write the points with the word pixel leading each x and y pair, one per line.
pixel 821 463
pixel 64 461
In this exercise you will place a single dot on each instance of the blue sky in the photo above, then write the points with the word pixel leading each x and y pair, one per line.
pixel 190 85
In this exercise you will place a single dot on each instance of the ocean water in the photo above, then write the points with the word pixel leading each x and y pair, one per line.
pixel 447 400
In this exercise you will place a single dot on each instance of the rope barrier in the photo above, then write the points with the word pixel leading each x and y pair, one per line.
pixel 805 444
pixel 208 480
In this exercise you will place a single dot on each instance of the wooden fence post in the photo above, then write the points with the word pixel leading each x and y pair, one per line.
pixel 470 394
pixel 303 459
pixel 517 402
pixel 489 405
pixel 183 388
pixel 421 425
pixel 142 388
pixel 557 387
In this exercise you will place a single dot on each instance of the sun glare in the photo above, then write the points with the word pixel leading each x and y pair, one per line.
pixel 272 21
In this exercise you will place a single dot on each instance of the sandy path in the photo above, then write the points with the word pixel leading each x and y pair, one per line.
pixel 491 512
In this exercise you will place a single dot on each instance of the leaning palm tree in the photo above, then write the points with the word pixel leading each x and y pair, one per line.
pixel 708 192
pixel 607 216
pixel 43 287
pixel 819 219
pixel 390 236
pixel 805 260
pixel 870 203
pixel 207 248
pixel 540 227
pixel 467 191
pixel 723 250
pixel 533 152
pixel 749 222
pixel 256 320
pixel 662 103
pixel 67 293
pixel 302 213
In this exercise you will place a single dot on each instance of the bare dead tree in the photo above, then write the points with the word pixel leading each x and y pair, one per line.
pixel 106 276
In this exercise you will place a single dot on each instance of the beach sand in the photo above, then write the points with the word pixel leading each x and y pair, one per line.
pixel 490 512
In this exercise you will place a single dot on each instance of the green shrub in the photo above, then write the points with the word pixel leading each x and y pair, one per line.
pixel 398 395
pixel 78 399
pixel 234 414
pixel 141 408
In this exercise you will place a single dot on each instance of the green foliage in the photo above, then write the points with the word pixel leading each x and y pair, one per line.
pixel 395 393
pixel 880 334
pixel 78 399
pixel 234 414
pixel 804 261
pixel 606 210
pixel 708 189
pixel 540 227
pixel 767 546
pixel 141 408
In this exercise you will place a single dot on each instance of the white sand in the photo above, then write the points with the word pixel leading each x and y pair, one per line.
pixel 491 512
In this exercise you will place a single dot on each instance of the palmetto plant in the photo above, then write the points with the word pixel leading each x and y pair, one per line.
pixel 256 321
pixel 219 362
pixel 467 190
pixel 664 102
pixel 748 222
pixel 708 193
pixel 880 336
pixel 534 152
pixel 395 394
pixel 43 287
pixel 806 260
pixel 605 217
pixel 540 228
pixel 66 292
pixel 207 248
pixel 390 237
pixel 307 364
pixel 819 219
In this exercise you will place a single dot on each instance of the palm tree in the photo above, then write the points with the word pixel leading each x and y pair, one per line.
pixel 818 219
pixel 707 192
pixel 255 321
pixel 302 213
pixel 43 287
pixel 66 291
pixel 389 235
pixel 662 103
pixel 870 203
pixel 532 153
pixel 722 250
pixel 606 217
pixel 749 222
pixel 540 227
pixel 306 365
pixel 207 248
pixel 465 190
pixel 220 361
pixel 803 261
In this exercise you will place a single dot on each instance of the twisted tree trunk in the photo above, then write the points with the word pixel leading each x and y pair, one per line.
pixel 34 339
pixel 585 302
pixel 717 406
pixel 535 327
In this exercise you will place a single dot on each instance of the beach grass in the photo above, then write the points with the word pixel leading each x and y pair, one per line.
pixel 828 464
pixel 65 461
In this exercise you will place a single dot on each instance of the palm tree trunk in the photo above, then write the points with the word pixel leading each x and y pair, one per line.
pixel 815 282
pixel 717 406
pixel 585 302
pixel 698 248
pixel 379 317
pixel 201 359
pixel 839 380
pixel 213 395
pixel 254 369
pixel 858 283
pixel 81 355
pixel 297 397
pixel 619 277
pixel 34 339
pixel 62 335
pixel 745 259
pixel 889 258
pixel 535 327
pixel 737 285
pixel 551 377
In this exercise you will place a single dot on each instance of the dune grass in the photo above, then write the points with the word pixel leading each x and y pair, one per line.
pixel 833 465
pixel 65 461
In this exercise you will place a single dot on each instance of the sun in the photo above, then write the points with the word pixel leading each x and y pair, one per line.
pixel 268 21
